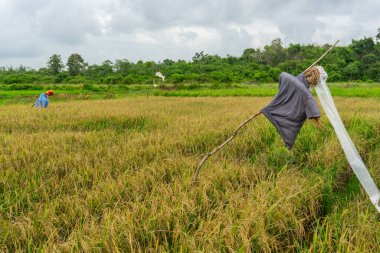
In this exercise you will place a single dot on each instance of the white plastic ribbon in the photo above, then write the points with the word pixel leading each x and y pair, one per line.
pixel 160 75
pixel 348 146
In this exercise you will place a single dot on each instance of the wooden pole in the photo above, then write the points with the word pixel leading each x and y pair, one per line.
pixel 147 93
pixel 195 180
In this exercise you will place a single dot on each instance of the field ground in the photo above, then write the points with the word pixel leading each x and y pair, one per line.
pixel 115 175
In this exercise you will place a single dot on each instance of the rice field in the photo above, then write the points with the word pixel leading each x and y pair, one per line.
pixel 116 176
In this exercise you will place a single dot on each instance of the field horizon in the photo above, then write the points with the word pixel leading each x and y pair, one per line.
pixel 28 93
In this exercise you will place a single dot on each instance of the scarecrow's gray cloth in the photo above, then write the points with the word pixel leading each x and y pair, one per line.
pixel 291 106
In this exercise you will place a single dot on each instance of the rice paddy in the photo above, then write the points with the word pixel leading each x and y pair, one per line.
pixel 115 175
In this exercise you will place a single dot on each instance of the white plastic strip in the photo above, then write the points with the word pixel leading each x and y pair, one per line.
pixel 349 149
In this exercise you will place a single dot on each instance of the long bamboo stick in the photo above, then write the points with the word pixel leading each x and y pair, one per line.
pixel 196 173
pixel 220 146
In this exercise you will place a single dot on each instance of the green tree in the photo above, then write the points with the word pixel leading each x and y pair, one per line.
pixel 363 46
pixel 55 64
pixel 295 52
pixel 352 71
pixel 273 54
pixel 76 64
pixel 123 66
pixel 199 56
pixel 248 54
pixel 168 62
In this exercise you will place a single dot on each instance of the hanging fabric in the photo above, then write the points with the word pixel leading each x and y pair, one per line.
pixel 348 146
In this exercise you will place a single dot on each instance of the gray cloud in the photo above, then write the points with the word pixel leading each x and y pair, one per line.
pixel 156 30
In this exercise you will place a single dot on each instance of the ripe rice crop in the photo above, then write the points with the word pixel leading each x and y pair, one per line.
pixel 115 176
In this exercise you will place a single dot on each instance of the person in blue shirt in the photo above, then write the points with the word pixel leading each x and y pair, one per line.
pixel 43 101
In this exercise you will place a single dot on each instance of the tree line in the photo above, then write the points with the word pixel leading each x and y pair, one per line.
pixel 358 61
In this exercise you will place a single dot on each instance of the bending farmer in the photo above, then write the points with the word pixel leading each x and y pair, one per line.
pixel 43 101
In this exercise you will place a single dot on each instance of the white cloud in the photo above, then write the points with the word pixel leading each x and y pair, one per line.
pixel 143 39
pixel 195 38
pixel 104 20
pixel 261 32
pixel 333 26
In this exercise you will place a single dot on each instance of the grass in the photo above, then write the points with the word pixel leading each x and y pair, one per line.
pixel 267 90
pixel 115 176
pixel 15 94
pixel 23 93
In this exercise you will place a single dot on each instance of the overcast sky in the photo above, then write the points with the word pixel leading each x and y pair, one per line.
pixel 99 30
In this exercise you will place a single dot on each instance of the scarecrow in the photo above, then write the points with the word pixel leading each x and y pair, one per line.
pixel 43 101
pixel 160 75
pixel 293 104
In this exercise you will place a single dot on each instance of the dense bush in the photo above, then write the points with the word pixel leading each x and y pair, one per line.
pixel 359 61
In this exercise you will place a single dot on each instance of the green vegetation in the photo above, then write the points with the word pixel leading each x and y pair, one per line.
pixel 27 93
pixel 359 61
pixel 115 176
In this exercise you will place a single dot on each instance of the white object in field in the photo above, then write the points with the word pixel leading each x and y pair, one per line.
pixel 160 76
pixel 348 146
